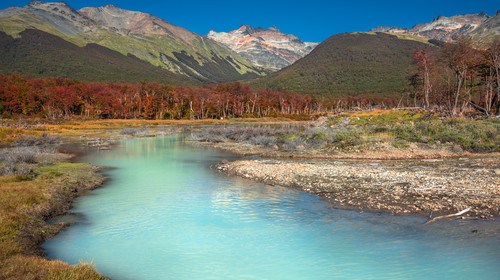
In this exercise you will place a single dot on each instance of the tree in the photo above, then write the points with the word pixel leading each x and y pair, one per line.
pixel 492 63
pixel 425 62
pixel 461 58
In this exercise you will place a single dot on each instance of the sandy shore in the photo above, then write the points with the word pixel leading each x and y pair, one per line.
pixel 397 187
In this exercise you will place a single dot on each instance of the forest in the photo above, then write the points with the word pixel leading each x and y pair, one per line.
pixel 57 98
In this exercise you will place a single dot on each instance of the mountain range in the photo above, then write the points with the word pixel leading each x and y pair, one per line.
pixel 139 34
pixel 480 26
pixel 268 48
pixel 111 44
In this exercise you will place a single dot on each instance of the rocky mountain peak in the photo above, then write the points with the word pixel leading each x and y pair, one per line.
pixel 274 29
pixel 245 29
pixel 66 19
pixel 440 17
pixel 111 6
pixel 47 6
pixel 268 48
pixel 442 28
pixel 34 3
pixel 132 22
pixel 482 14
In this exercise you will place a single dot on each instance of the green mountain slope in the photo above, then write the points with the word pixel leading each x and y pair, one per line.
pixel 355 64
pixel 39 54
pixel 143 35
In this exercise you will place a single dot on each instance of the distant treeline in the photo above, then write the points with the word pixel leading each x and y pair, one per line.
pixel 58 98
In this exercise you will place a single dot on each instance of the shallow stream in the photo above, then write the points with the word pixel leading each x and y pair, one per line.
pixel 164 214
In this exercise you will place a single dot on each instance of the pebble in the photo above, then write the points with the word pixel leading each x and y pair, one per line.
pixel 436 185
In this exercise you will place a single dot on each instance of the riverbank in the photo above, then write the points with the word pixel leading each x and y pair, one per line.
pixel 27 201
pixel 379 134
pixel 396 187
pixel 398 162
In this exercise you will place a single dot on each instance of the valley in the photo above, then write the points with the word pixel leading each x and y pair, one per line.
pixel 327 148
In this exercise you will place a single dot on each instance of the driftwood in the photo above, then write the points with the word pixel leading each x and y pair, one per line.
pixel 430 219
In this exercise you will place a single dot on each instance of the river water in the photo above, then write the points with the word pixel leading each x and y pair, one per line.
pixel 164 214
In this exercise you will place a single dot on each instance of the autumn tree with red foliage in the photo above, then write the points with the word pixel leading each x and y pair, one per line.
pixel 459 77
pixel 56 98
pixel 425 61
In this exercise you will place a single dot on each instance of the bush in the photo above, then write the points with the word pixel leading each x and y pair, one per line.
pixel 266 141
pixel 400 144
pixel 18 161
pixel 471 135
pixel 209 135
pixel 347 138
pixel 240 134
pixel 292 144
pixel 20 155
pixel 12 169
pixel 132 131
pixel 42 140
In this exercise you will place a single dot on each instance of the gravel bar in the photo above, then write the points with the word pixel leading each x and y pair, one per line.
pixel 396 187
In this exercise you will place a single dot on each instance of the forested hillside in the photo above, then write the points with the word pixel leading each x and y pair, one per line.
pixel 353 64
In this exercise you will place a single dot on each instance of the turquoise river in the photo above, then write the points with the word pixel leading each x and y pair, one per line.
pixel 165 214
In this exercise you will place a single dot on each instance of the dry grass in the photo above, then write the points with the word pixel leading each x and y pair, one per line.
pixel 24 204
pixel 32 267
pixel 9 135
pixel 10 130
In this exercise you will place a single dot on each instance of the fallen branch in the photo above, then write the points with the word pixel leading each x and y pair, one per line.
pixel 479 108
pixel 430 219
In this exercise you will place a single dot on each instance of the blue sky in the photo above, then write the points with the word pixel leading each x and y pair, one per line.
pixel 310 20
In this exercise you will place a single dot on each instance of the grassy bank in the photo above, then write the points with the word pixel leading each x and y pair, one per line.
pixel 374 134
pixel 403 127
pixel 36 193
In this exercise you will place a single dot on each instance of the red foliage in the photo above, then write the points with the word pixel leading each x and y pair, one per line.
pixel 64 98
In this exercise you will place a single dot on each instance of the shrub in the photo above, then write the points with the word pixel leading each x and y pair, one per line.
pixel 471 135
pixel 20 155
pixel 347 138
pixel 266 141
pixel 400 144
pixel 22 169
pixel 240 134
pixel 18 161
pixel 132 131
pixel 292 144
pixel 209 135
pixel 42 140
